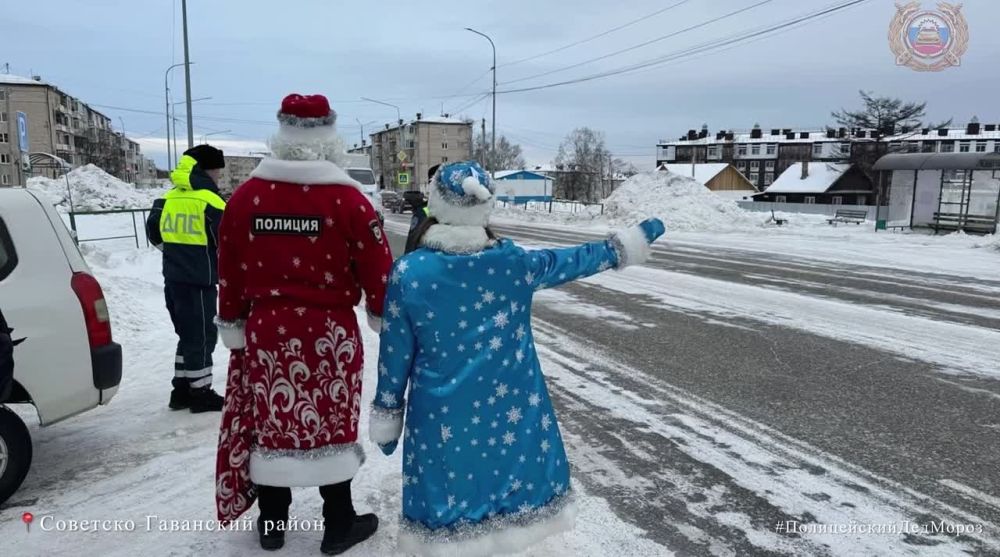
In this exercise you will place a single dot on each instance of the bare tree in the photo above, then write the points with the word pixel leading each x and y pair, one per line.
pixel 581 161
pixel 506 157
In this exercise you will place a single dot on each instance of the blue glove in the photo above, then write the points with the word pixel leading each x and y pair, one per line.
pixel 388 448
pixel 653 229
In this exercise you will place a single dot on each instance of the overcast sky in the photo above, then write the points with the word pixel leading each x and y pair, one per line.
pixel 248 54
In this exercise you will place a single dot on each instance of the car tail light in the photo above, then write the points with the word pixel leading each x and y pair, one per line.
pixel 95 309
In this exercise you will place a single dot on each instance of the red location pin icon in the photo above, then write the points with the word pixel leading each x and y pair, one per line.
pixel 27 518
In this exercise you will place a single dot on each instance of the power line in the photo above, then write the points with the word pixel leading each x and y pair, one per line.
pixel 644 44
pixel 686 53
pixel 597 36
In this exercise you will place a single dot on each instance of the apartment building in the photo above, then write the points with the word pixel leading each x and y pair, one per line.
pixel 61 125
pixel 763 155
pixel 402 154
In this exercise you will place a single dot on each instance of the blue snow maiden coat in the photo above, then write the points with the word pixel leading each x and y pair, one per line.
pixel 484 469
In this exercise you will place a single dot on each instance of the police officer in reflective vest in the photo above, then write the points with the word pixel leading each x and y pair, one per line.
pixel 420 214
pixel 184 224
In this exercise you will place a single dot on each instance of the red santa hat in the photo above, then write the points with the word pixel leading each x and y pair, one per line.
pixel 305 118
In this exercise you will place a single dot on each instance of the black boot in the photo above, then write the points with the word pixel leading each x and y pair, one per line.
pixel 343 528
pixel 362 528
pixel 180 397
pixel 205 400
pixel 273 520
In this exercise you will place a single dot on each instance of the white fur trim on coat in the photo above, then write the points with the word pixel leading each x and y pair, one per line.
pixel 632 246
pixel 303 172
pixel 456 239
pixel 513 539
pixel 448 213
pixel 385 425
pixel 374 323
pixel 232 333
pixel 305 468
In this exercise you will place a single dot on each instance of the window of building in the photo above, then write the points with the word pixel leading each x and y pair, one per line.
pixel 4 180
pixel 928 147
pixel 4 138
pixel 3 94
pixel 838 200
pixel 772 148
pixel 444 159
pixel 947 146
pixel 444 145
pixel 755 177
pixel 817 149
pixel 768 178
pixel 3 116
pixel 713 151
pixel 980 146
pixel 996 146
pixel 741 150
pixel 755 165
pixel 845 149
pixel 4 158
pixel 862 200
pixel 780 199
pixel 742 165
pixel 769 165
pixel 810 200
pixel 964 147
pixel 755 149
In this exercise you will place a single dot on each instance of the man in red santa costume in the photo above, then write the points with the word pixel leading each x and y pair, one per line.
pixel 300 245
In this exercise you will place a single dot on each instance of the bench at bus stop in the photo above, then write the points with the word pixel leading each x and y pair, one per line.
pixel 853 216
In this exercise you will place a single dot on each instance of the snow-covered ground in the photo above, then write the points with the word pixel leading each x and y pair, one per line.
pixel 135 460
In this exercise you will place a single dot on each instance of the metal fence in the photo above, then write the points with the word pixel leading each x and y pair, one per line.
pixel 138 225
pixel 556 206
pixel 805 208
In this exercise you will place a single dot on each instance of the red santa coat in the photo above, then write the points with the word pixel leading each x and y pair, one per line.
pixel 300 245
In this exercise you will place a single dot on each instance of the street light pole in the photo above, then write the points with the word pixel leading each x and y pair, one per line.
pixel 494 141
pixel 187 75
pixel 166 95
pixel 399 120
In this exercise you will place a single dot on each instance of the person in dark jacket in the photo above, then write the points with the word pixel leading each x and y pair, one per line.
pixel 420 214
pixel 184 224
pixel 6 359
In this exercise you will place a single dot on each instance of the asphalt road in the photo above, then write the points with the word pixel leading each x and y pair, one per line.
pixel 885 428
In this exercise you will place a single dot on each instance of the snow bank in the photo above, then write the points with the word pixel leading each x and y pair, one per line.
pixel 681 202
pixel 93 190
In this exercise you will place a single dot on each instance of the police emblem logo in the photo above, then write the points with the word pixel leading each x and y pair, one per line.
pixel 376 230
pixel 928 40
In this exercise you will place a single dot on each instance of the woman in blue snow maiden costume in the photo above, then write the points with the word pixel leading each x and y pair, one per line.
pixel 484 469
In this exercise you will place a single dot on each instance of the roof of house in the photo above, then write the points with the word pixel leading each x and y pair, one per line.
pixel 818 136
pixel 424 120
pixel 503 174
pixel 10 79
pixel 821 177
pixel 938 161
pixel 703 172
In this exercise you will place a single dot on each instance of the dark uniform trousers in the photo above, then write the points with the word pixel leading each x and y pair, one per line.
pixel 192 310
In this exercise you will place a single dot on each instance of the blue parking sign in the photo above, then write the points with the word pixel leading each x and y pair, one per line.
pixel 22 131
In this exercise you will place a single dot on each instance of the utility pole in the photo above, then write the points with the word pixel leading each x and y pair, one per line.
pixel 494 46
pixel 187 75
pixel 166 95
pixel 485 154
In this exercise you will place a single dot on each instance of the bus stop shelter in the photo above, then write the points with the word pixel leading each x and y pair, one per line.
pixel 945 192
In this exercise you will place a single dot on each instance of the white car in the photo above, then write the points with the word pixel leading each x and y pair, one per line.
pixel 366 177
pixel 67 362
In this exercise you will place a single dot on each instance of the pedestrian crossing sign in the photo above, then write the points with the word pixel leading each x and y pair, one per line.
pixel 404 178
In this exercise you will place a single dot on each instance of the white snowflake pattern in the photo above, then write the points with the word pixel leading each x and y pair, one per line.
pixel 502 390
pixel 520 332
pixel 494 424
pixel 478 346
pixel 394 309
pixel 461 348
pixel 516 485
pixel 444 409
pixel 546 422
pixel 476 404
pixel 445 433
pixel 481 329
pixel 604 266
pixel 282 330
pixel 514 415
pixel 383 370
pixel 529 278
pixel 275 292
pixel 489 297
pixel 492 441
pixel 496 343
pixel 509 438
pixel 534 399
pixel 388 399
pixel 519 355
pixel 430 315
pixel 296 262
pixel 524 508
pixel 402 266
pixel 478 306
pixel 451 501
pixel 501 319
pixel 545 445
pixel 328 277
pixel 463 309
pixel 514 306
pixel 463 324
pixel 491 401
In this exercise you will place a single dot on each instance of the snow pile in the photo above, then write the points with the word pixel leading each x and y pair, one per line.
pixel 682 203
pixel 93 189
